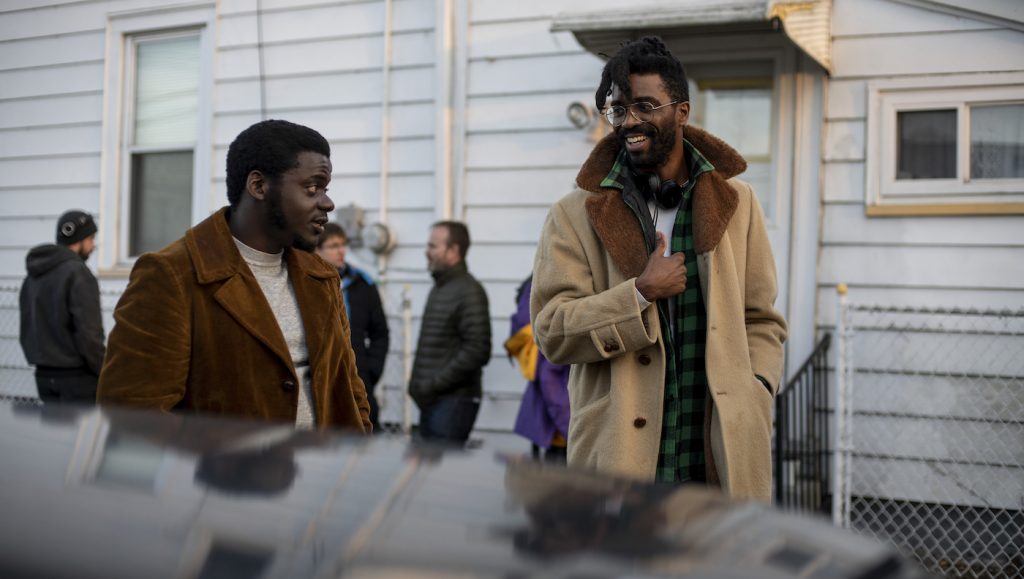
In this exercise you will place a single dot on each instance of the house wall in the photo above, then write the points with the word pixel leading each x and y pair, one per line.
pixel 322 64
pixel 919 261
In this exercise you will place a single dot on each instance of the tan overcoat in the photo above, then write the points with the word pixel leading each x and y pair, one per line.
pixel 585 312
pixel 194 331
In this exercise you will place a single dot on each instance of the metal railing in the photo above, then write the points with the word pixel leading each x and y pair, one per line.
pixel 802 436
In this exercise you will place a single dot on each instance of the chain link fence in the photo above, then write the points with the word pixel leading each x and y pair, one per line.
pixel 930 443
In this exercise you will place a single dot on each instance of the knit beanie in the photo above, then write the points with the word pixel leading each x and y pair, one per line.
pixel 74 226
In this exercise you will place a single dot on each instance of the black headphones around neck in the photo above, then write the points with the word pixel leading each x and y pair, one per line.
pixel 666 193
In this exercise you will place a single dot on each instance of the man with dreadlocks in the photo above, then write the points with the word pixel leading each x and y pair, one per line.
pixel 655 278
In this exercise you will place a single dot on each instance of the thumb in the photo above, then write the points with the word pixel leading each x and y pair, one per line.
pixel 659 246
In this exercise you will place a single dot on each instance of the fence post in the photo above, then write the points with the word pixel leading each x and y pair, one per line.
pixel 839 466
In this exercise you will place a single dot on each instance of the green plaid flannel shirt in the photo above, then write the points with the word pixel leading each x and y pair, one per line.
pixel 681 455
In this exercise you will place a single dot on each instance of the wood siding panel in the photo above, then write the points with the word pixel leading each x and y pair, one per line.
pixel 563 73
pixel 504 187
pixel 872 17
pixel 52 50
pixel 525 150
pixel 84 169
pixel 22 202
pixel 523 113
pixel 847 99
pixel 506 224
pixel 946 483
pixel 40 112
pixel 500 10
pixel 848 224
pixel 44 141
pixel 57 80
pixel 529 37
pixel 414 49
pixel 844 140
pixel 923 266
pixel 990 51
pixel 844 182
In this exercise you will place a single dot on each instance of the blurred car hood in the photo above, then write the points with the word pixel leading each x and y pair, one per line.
pixel 87 492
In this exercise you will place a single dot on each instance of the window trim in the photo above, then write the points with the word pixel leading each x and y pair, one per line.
pixel 123 28
pixel 886 195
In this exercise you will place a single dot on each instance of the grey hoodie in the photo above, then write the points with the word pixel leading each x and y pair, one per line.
pixel 61 324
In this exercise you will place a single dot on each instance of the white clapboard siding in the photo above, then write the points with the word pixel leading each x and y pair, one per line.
pixel 523 112
pixel 505 224
pixel 19 202
pixel 875 17
pixel 53 18
pixel 490 11
pixel 942 482
pixel 844 140
pixel 522 38
pixel 77 170
pixel 52 50
pixel 502 186
pixel 52 110
pixel 54 80
pixel 566 148
pixel 559 73
pixel 922 266
pixel 918 54
pixel 844 182
pixel 50 141
pixel 848 224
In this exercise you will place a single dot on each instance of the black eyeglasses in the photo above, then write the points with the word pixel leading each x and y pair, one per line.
pixel 641 111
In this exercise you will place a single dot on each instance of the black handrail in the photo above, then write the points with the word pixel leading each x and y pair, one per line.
pixel 802 460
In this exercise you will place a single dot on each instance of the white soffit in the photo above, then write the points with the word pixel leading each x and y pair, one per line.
pixel 807 23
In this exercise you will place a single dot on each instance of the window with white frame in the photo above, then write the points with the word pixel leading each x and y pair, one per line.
pixel 156 130
pixel 160 138
pixel 949 146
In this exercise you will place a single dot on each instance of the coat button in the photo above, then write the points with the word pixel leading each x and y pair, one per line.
pixel 288 385
pixel 640 422
pixel 644 359
pixel 611 347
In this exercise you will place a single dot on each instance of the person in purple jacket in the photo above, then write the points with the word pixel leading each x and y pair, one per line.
pixel 544 412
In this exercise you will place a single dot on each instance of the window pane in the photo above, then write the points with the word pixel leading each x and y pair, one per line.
pixel 741 117
pixel 927 144
pixel 166 91
pixel 997 142
pixel 161 199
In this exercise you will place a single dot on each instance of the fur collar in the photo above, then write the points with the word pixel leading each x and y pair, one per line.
pixel 714 200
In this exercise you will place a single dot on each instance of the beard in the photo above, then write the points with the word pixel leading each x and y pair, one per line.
pixel 662 139
pixel 276 219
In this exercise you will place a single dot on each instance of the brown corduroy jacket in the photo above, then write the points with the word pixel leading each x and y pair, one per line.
pixel 194 331
pixel 585 312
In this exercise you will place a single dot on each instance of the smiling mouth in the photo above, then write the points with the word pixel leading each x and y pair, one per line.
pixel 634 139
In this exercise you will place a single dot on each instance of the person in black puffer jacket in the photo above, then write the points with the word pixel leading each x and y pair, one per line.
pixel 366 317
pixel 455 340
pixel 61 330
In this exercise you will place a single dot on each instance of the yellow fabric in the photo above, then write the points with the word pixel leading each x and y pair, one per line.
pixel 522 346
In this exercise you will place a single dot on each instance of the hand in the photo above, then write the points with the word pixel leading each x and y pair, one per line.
pixel 663 277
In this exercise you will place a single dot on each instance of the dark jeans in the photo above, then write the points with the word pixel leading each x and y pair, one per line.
pixel 449 419
pixel 58 386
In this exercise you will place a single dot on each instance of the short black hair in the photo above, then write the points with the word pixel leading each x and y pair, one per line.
pixel 271 147
pixel 458 234
pixel 648 55
pixel 331 229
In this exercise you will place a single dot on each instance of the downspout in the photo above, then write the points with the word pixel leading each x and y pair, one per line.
pixel 443 110
pixel 385 137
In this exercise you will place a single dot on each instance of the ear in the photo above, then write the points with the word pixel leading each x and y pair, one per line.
pixel 256 185
pixel 683 113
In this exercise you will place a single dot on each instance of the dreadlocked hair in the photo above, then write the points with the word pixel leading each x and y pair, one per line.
pixel 647 55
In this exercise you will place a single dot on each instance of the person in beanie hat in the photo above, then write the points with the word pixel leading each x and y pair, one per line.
pixel 61 325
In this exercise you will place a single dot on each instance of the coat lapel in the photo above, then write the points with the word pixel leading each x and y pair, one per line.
pixel 714 200
pixel 217 261
pixel 313 280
